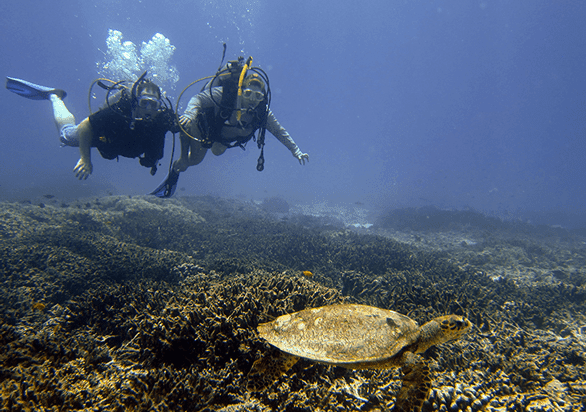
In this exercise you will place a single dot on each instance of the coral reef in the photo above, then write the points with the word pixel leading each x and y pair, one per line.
pixel 121 303
pixel 275 205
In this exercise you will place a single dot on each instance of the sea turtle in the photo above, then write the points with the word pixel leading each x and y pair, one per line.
pixel 357 337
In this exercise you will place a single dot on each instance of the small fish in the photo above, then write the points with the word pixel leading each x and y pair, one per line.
pixel 307 273
pixel 40 306
pixel 48 196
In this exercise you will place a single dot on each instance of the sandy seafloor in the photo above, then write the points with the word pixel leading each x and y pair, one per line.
pixel 136 303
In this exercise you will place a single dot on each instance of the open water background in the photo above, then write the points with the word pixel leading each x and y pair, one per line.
pixel 404 103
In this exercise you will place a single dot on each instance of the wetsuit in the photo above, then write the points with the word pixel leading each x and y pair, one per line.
pixel 232 130
pixel 113 136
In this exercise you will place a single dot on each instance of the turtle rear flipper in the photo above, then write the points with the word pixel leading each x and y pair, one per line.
pixel 268 369
pixel 416 384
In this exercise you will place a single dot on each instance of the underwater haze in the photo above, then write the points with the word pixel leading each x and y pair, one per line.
pixel 476 104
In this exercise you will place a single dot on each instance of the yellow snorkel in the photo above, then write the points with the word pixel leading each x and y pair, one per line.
pixel 247 65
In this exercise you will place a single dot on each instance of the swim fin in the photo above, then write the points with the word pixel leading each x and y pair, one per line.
pixel 168 186
pixel 31 90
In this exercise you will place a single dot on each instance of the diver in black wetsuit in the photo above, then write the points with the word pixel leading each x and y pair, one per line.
pixel 133 123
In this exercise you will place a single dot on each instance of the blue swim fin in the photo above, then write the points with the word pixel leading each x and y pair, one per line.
pixel 168 186
pixel 31 90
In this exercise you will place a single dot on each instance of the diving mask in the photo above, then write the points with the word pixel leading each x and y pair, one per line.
pixel 149 103
pixel 255 95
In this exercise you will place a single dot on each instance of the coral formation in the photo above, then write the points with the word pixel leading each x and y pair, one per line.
pixel 121 303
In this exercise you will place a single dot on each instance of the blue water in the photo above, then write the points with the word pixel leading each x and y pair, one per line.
pixel 399 103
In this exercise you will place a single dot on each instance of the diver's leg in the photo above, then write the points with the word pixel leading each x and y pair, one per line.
pixel 183 162
pixel 63 117
pixel 61 114
pixel 192 152
pixel 218 148
pixel 196 153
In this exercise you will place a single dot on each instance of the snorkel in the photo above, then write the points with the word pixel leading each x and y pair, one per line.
pixel 240 80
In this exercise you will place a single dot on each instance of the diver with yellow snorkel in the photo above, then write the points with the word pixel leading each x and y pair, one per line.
pixel 228 112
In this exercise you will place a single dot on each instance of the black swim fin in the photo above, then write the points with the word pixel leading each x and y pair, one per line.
pixel 31 90
pixel 168 186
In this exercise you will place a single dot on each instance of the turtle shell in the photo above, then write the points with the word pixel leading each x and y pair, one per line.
pixel 345 335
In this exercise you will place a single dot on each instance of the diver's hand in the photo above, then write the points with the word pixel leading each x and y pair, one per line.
pixel 82 169
pixel 184 120
pixel 302 157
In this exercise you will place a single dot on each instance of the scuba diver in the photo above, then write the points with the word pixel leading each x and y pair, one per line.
pixel 228 112
pixel 132 123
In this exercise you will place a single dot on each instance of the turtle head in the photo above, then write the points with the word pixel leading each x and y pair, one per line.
pixel 442 329
pixel 453 326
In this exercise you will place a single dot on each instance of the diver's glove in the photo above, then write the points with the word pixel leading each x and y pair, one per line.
pixel 302 157
pixel 184 120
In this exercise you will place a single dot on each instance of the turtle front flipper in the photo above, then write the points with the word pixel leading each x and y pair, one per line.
pixel 416 384
pixel 266 370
